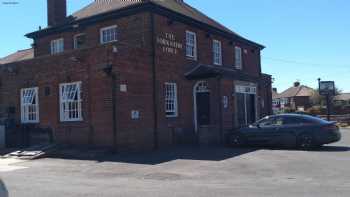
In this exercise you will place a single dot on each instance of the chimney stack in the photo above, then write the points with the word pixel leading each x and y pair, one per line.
pixel 296 84
pixel 56 12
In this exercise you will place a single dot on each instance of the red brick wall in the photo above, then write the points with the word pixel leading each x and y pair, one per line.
pixel 132 65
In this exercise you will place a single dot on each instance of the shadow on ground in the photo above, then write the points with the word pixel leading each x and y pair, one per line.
pixel 332 149
pixel 155 157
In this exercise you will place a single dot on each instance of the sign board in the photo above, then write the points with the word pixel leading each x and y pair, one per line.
pixel 327 88
pixel 169 43
pixel 245 89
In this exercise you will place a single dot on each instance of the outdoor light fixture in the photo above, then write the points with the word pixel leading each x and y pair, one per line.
pixel 108 69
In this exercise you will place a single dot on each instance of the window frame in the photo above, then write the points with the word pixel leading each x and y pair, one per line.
pixel 108 28
pixel 238 58
pixel 55 50
pixel 190 56
pixel 174 99
pixel 24 119
pixel 217 52
pixel 75 40
pixel 79 107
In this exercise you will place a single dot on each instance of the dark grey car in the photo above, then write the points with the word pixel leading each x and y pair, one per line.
pixel 287 130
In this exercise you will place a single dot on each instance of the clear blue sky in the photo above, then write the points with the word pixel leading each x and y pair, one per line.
pixel 304 39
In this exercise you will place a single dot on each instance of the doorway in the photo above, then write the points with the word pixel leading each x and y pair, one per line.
pixel 201 98
pixel 246 105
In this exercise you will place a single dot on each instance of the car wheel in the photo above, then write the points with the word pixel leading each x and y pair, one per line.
pixel 306 141
pixel 236 140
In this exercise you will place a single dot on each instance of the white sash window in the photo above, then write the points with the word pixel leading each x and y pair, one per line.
pixel 217 52
pixel 109 34
pixel 238 58
pixel 171 100
pixel 70 102
pixel 57 46
pixel 29 105
pixel 191 45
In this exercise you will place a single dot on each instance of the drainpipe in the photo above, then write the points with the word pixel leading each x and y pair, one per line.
pixel 109 71
pixel 154 83
pixel 220 109
pixel 114 115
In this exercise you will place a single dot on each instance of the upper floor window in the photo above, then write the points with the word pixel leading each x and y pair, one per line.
pixel 217 52
pixel 70 102
pixel 29 105
pixel 191 45
pixel 171 100
pixel 238 58
pixel 79 41
pixel 109 34
pixel 57 46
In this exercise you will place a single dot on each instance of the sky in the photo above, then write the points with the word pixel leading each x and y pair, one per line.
pixel 305 40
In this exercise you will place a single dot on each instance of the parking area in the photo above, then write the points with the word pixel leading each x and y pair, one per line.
pixel 188 171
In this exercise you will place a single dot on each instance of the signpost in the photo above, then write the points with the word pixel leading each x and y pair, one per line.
pixel 327 88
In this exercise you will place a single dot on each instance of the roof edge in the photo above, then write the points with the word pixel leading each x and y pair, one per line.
pixel 146 6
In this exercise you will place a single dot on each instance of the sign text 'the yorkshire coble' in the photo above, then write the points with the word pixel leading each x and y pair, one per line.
pixel 169 44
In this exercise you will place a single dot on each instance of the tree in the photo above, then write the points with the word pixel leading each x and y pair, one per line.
pixel 317 99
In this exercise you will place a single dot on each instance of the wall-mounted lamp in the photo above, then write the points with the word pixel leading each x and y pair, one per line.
pixel 108 69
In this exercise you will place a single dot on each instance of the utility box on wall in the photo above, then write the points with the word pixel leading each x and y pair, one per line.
pixel 2 137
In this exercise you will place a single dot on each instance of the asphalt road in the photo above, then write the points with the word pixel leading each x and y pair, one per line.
pixel 188 171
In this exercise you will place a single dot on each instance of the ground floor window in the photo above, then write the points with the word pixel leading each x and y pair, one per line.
pixel 70 102
pixel 171 100
pixel 29 105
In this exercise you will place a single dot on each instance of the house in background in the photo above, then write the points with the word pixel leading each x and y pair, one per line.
pixel 134 75
pixel 20 55
pixel 296 98
pixel 342 99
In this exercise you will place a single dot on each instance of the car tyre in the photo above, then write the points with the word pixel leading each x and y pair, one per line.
pixel 236 140
pixel 306 141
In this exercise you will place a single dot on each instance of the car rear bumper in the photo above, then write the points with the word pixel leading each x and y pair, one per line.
pixel 330 137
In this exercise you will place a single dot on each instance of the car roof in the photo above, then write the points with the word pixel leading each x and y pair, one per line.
pixel 303 116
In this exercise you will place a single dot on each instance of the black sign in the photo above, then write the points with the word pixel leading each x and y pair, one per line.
pixel 327 88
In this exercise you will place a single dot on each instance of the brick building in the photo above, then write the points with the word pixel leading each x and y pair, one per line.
pixel 296 98
pixel 135 75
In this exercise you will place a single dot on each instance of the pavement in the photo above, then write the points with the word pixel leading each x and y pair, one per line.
pixel 187 171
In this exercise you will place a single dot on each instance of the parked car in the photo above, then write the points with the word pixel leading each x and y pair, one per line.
pixel 287 130
pixel 3 190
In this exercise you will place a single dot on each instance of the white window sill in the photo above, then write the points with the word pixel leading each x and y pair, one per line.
pixel 103 43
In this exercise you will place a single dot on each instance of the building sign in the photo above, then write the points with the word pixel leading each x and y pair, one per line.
pixel 169 44
pixel 327 88
pixel 225 101
pixel 245 89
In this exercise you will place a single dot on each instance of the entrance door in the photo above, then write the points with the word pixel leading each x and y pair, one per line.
pixel 246 105
pixel 251 112
pixel 203 108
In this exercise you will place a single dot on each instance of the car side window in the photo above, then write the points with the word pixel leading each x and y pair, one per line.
pixel 272 122
pixel 295 121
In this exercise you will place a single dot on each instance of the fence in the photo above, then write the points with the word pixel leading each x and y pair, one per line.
pixel 339 118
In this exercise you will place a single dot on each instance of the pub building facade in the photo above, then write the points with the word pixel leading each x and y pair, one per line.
pixel 135 75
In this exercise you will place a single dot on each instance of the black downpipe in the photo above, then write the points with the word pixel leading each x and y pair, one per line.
pixel 154 82
pixel 114 105
pixel 220 110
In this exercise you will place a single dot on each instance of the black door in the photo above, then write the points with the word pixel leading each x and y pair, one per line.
pixel 241 110
pixel 251 112
pixel 203 108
